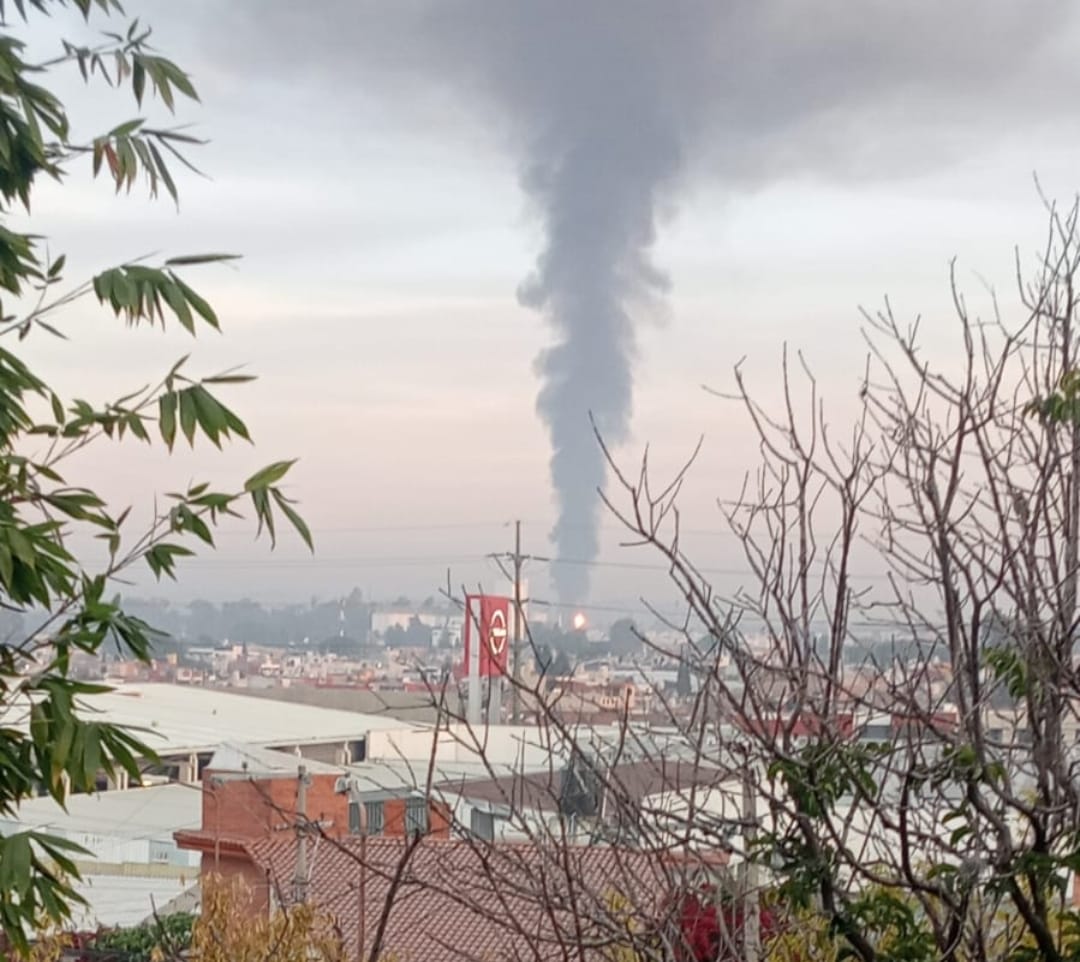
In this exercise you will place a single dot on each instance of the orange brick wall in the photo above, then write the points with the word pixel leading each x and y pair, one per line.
pixel 236 809
pixel 393 814
pixel 230 867
pixel 394 818
pixel 441 818
pixel 239 808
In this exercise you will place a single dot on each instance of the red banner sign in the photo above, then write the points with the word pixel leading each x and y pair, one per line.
pixel 487 619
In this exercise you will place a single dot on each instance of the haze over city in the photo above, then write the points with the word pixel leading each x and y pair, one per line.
pixel 371 165
pixel 539 479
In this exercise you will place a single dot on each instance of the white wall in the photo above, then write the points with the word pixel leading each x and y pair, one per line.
pixel 119 847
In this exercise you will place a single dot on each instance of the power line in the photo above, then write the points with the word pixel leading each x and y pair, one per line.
pixel 441 560
pixel 371 562
pixel 644 566
pixel 392 528
pixel 476 525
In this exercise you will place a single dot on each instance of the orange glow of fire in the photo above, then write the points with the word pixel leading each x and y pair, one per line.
pixel 579 621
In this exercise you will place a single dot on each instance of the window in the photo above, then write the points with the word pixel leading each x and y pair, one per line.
pixel 374 812
pixel 374 818
pixel 877 732
pixel 161 851
pixel 482 825
pixel 416 816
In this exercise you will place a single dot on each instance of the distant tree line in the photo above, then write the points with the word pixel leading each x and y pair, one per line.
pixel 327 625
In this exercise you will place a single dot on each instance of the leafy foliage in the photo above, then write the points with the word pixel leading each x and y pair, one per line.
pixel 1061 406
pixel 47 744
pixel 711 926
pixel 160 938
pixel 231 928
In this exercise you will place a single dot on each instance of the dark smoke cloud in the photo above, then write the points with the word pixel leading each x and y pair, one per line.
pixel 604 108
pixel 611 104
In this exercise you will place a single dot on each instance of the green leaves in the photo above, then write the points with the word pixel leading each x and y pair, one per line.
pixel 197 410
pixel 165 77
pixel 265 495
pixel 139 293
pixel 34 872
pixel 162 559
pixel 1060 407
pixel 268 476
pixel 18 259
pixel 189 514
pixel 128 56
pixel 27 111
pixel 35 568
pixel 63 747
pixel 167 405
pixel 1009 667
pixel 132 149
pixel 894 925
pixel 822 772
pixel 165 938
pixel 298 523
pixel 42 6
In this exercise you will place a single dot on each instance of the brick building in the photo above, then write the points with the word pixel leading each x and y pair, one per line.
pixel 442 898
pixel 449 900
pixel 240 809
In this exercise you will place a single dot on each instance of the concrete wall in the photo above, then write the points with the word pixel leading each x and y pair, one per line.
pixel 119 847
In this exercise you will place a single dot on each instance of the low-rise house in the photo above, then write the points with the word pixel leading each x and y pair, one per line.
pixel 422 898
pixel 248 794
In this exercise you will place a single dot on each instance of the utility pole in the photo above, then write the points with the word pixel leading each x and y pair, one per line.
pixel 751 907
pixel 361 920
pixel 517 563
pixel 516 650
pixel 300 876
pixel 472 653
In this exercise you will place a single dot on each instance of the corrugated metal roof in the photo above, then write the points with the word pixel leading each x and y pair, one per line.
pixel 254 761
pixel 151 812
pixel 627 784
pixel 178 719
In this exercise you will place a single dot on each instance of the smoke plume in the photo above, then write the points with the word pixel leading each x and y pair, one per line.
pixel 607 102
pixel 601 96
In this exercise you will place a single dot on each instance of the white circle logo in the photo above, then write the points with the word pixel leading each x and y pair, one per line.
pixel 497 632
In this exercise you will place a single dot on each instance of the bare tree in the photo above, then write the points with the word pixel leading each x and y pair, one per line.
pixel 882 768
pixel 953 831
pixel 916 797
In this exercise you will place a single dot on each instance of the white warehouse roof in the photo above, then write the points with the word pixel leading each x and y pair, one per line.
pixel 152 812
pixel 176 719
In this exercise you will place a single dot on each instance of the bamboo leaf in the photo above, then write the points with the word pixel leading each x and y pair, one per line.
pixel 167 418
pixel 268 476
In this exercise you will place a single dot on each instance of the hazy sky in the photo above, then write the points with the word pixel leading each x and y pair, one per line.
pixel 367 159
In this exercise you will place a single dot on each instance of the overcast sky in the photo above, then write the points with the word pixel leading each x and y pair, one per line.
pixel 367 159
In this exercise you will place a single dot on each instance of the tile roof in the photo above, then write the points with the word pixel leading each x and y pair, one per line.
pixel 458 900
